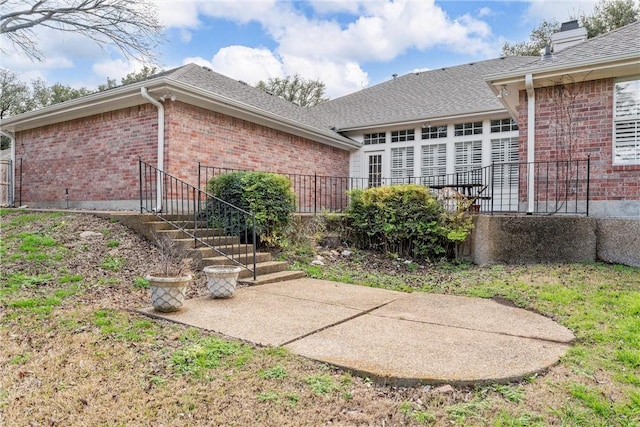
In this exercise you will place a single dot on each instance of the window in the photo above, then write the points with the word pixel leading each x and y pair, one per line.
pixel 403 135
pixel 434 160
pixel 401 165
pixel 375 170
pixel 433 132
pixel 505 150
pixel 462 129
pixel 503 125
pixel 468 156
pixel 626 140
pixel 375 138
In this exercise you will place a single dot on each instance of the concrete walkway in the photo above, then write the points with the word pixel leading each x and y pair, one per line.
pixel 392 337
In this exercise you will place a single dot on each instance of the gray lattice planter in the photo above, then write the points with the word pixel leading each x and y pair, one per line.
pixel 222 280
pixel 168 293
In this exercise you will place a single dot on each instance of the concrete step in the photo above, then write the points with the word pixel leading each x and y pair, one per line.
pixel 265 268
pixel 206 252
pixel 162 225
pixel 215 241
pixel 279 276
pixel 243 258
pixel 179 234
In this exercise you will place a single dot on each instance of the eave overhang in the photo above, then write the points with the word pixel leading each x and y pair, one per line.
pixel 129 96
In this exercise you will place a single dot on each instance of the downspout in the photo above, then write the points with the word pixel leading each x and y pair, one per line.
pixel 531 141
pixel 145 94
pixel 12 137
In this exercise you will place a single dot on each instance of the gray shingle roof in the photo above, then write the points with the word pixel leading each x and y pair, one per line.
pixel 430 94
pixel 240 92
pixel 620 42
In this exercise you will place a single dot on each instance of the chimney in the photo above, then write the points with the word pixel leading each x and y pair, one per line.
pixel 570 34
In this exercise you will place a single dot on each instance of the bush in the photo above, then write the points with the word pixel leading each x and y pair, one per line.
pixel 267 195
pixel 406 220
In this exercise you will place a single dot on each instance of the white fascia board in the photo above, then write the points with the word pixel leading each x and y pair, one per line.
pixel 129 96
pixel 231 107
pixel 96 103
pixel 606 67
pixel 434 119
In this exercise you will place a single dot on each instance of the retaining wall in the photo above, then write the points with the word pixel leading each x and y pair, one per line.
pixel 548 239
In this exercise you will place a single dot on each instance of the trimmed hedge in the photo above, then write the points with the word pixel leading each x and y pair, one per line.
pixel 269 196
pixel 405 220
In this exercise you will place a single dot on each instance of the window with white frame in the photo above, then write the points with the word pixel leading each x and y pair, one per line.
pixel 375 170
pixel 626 118
pixel 504 156
pixel 375 138
pixel 468 155
pixel 434 161
pixel 401 165
pixel 462 129
pixel 503 125
pixel 403 135
pixel 433 132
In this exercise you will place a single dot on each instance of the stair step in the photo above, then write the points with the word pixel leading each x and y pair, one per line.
pixel 279 276
pixel 265 268
pixel 179 234
pixel 242 258
pixel 214 241
pixel 163 225
pixel 206 252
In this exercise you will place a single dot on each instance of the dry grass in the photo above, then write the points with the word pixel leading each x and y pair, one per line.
pixel 74 353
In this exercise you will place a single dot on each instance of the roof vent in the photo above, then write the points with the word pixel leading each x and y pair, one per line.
pixel 570 34
pixel 207 68
pixel 546 54
pixel 394 75
pixel 242 83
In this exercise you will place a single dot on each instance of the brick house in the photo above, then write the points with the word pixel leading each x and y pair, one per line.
pixel 412 128
pixel 583 100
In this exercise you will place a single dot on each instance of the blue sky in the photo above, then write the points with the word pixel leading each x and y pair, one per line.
pixel 346 44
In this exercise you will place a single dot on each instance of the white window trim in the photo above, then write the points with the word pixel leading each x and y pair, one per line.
pixel 633 120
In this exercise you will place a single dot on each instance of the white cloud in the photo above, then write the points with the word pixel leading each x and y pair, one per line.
pixel 180 14
pixel 115 68
pixel 560 10
pixel 484 11
pixel 252 65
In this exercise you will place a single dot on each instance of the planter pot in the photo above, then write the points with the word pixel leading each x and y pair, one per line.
pixel 222 280
pixel 168 293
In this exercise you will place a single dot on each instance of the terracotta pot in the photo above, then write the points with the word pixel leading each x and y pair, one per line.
pixel 222 280
pixel 168 293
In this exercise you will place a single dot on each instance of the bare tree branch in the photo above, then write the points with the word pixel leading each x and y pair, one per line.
pixel 132 26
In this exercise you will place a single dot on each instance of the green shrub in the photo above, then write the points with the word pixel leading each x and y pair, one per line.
pixel 267 195
pixel 406 220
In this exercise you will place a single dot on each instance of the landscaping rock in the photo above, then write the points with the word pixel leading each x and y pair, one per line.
pixel 346 253
pixel 90 235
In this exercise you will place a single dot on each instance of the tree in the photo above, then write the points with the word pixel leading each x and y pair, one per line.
pixel 132 26
pixel 296 89
pixel 539 38
pixel 609 15
pixel 146 72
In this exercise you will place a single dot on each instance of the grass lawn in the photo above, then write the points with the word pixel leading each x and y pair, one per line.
pixel 74 352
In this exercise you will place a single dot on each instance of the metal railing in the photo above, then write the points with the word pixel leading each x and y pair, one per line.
pixel 557 187
pixel 220 226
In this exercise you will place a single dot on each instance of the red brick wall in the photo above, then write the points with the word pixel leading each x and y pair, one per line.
pixel 196 134
pixel 586 128
pixel 95 157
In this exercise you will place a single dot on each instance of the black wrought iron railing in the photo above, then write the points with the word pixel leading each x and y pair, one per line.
pixel 211 222
pixel 546 187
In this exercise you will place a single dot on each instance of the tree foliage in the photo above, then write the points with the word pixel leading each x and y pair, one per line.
pixel 130 26
pixel 607 16
pixel 538 39
pixel 296 89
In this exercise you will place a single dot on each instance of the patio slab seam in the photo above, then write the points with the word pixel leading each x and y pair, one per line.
pixel 339 322
pixel 556 341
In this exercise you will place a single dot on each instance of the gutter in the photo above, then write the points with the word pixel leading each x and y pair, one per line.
pixel 145 94
pixel 12 137
pixel 531 140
